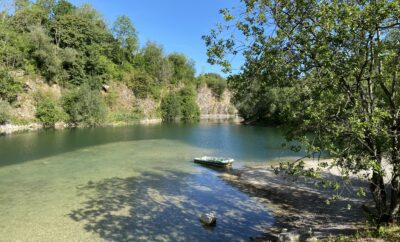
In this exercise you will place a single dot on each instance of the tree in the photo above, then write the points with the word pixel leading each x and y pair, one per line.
pixel 170 108
pixel 84 107
pixel 9 87
pixel 190 111
pixel 45 54
pixel 151 58
pixel 5 112
pixel 183 68
pixel 126 36
pixel 342 60
pixel 48 111
pixel 73 31
pixel 63 7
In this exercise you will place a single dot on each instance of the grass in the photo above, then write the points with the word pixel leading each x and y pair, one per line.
pixel 383 233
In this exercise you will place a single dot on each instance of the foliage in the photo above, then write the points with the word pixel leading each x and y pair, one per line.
pixel 127 116
pixel 215 82
pixel 152 60
pixel 141 83
pixel 73 46
pixel 382 233
pixel 170 108
pixel 190 111
pixel 84 106
pixel 45 54
pixel 5 112
pixel 127 38
pixel 338 63
pixel 262 104
pixel 182 106
pixel 9 86
pixel 48 110
pixel 183 68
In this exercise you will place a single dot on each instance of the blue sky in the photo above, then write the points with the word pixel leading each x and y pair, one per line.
pixel 175 24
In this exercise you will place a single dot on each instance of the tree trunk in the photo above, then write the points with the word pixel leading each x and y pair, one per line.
pixel 377 187
pixel 395 195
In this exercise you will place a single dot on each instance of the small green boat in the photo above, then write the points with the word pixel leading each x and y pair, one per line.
pixel 214 161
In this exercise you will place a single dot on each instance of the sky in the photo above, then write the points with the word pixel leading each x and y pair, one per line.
pixel 175 24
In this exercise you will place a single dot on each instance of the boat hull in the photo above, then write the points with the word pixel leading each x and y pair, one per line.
pixel 214 163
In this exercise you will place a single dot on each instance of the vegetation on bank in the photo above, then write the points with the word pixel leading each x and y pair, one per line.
pixel 74 48
pixel 329 67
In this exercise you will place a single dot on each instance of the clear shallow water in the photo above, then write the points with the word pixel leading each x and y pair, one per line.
pixel 130 183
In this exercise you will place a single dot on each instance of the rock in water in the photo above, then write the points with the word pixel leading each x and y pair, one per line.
pixel 208 219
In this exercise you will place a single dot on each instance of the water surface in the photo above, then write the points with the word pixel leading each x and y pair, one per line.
pixel 130 183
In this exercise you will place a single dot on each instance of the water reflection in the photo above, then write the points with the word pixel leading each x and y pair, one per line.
pixel 166 206
pixel 226 139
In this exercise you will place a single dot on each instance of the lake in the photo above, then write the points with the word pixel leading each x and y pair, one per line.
pixel 135 183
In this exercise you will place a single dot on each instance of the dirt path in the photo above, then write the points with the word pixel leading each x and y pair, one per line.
pixel 298 204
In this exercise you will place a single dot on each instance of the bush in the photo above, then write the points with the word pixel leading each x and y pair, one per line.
pixel 127 116
pixel 5 112
pixel 181 105
pixel 142 84
pixel 84 107
pixel 189 109
pixel 170 108
pixel 48 110
pixel 9 87
pixel 215 82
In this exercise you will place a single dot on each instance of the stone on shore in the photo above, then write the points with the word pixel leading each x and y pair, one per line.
pixel 208 219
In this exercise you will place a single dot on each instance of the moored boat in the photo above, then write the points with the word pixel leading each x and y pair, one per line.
pixel 214 161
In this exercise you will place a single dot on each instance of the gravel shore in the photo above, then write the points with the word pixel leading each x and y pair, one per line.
pixel 298 204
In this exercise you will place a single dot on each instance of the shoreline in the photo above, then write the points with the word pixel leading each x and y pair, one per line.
pixel 8 129
pixel 298 205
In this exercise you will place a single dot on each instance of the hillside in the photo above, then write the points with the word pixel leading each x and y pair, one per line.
pixel 62 64
pixel 122 106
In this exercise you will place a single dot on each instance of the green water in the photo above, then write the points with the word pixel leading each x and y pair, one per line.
pixel 130 183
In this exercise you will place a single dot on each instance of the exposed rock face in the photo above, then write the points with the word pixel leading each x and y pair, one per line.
pixel 25 105
pixel 210 105
pixel 148 107
pixel 120 100
pixel 118 97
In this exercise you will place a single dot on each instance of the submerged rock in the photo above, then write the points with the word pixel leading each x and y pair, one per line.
pixel 208 219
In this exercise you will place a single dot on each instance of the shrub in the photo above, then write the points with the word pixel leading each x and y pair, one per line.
pixel 217 87
pixel 215 82
pixel 127 116
pixel 189 109
pixel 142 84
pixel 9 87
pixel 170 108
pixel 5 111
pixel 84 107
pixel 48 110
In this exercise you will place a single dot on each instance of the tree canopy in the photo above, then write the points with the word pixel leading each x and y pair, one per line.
pixel 325 67
pixel 74 47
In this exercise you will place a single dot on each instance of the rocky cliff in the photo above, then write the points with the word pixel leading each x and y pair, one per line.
pixel 121 103
pixel 211 105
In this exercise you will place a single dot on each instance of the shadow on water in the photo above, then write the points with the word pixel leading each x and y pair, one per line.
pixel 227 139
pixel 166 205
